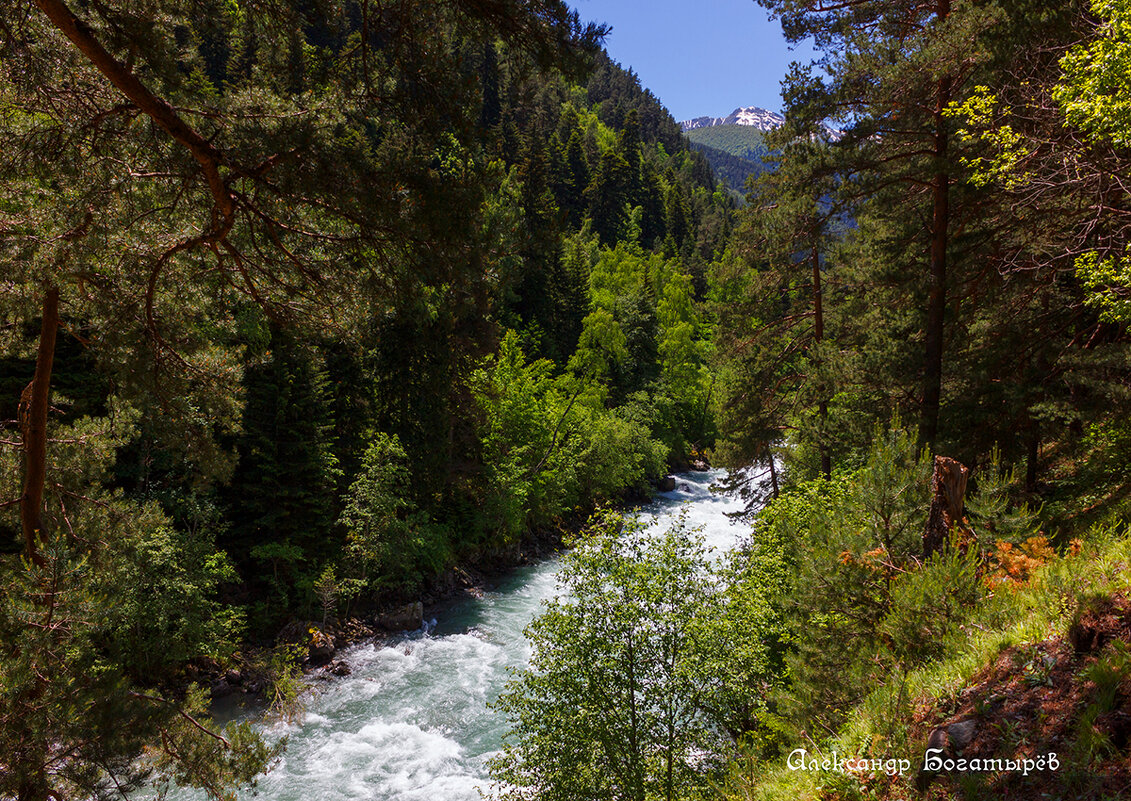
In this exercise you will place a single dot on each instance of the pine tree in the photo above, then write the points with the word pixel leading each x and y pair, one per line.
pixel 777 364
pixel 894 69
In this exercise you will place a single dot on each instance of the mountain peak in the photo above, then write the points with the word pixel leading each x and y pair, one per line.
pixel 753 116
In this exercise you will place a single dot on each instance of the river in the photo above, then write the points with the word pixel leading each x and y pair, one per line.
pixel 412 722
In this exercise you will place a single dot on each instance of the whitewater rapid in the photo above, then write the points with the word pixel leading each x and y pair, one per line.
pixel 412 722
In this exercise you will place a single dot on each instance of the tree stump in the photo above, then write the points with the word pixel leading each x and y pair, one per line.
pixel 948 496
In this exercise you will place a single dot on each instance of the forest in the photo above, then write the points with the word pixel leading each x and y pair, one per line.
pixel 735 152
pixel 312 308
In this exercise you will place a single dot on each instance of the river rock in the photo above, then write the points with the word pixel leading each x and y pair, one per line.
pixel 222 689
pixel 321 646
pixel 409 617
pixel 666 484
pixel 319 641
pixel 951 739
pixel 339 668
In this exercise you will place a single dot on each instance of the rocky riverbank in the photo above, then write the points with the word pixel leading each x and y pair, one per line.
pixel 318 645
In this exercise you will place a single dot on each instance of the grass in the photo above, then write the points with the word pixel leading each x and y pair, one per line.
pixel 885 723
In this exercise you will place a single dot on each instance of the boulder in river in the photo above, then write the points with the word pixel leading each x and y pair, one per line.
pixel 409 617
pixel 321 646
pixel 339 668
pixel 666 484
pixel 318 641
pixel 222 689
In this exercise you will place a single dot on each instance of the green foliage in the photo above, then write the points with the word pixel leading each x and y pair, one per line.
pixel 281 499
pixel 779 338
pixel 213 764
pixel 615 454
pixel 860 603
pixel 550 445
pixel 733 171
pixel 165 612
pixel 646 334
pixel 281 669
pixel 1105 444
pixel 626 696
pixel 888 720
pixel 744 141
pixel 326 591
pixel 1108 283
pixel 89 635
pixel 854 538
pixel 735 153
pixel 993 508
pixel 1094 92
pixel 744 651
pixel 390 542
pixel 601 346
pixel 1005 147
pixel 1111 675
pixel 842 569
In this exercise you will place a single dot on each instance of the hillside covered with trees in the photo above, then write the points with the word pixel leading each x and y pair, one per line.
pixel 735 152
pixel 310 307
pixel 304 305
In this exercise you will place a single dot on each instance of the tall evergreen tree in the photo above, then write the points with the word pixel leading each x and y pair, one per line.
pixel 281 498
pixel 893 70
pixel 776 364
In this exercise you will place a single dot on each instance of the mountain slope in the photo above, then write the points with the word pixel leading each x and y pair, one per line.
pixel 749 117
pixel 743 141
pixel 734 151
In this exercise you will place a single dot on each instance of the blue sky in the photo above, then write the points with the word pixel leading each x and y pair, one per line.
pixel 700 57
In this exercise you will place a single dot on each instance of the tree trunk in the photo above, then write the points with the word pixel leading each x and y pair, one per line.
pixel 948 497
pixel 34 403
pixel 936 295
pixel 34 788
pixel 1034 456
pixel 33 784
pixel 818 337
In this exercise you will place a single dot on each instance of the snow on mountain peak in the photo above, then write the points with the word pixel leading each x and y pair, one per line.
pixel 759 118
pixel 753 116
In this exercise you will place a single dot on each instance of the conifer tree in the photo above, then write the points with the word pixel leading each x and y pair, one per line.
pixel 893 70
pixel 777 367
pixel 281 498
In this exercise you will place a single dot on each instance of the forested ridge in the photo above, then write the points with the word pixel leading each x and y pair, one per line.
pixel 308 305
pixel 735 152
